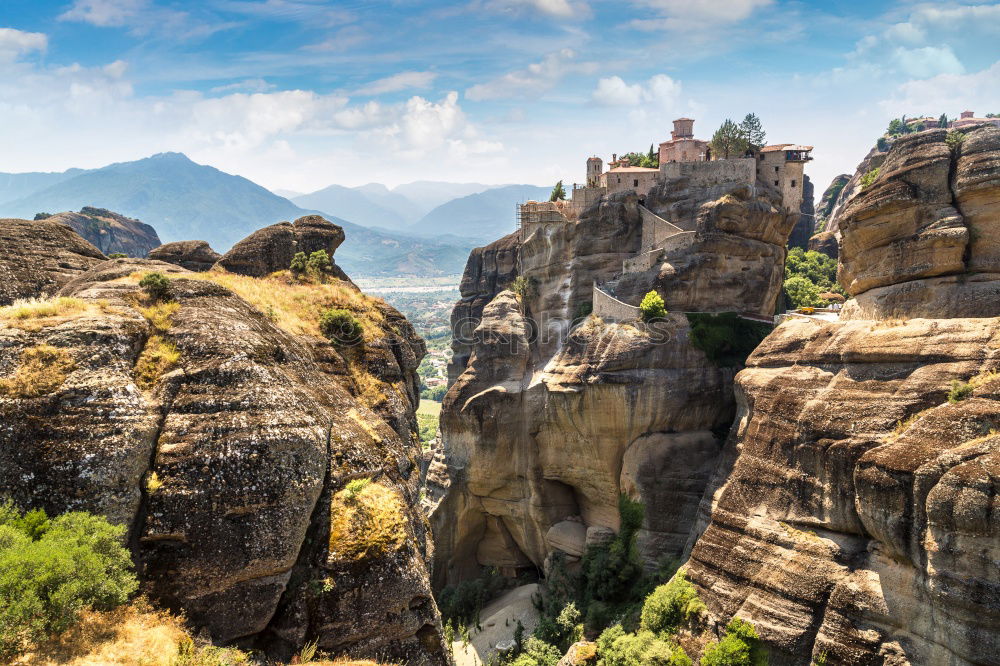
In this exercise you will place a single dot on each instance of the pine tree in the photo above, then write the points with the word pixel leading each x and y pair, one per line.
pixel 753 131
pixel 943 120
pixel 558 192
pixel 728 141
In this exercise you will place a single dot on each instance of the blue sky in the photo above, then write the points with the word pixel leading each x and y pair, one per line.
pixel 299 94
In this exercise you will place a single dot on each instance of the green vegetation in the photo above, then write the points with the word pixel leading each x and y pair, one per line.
pixel 318 263
pixel 42 216
pixel 51 571
pixel 868 179
pixel 156 285
pixel 734 139
pixel 461 604
pixel 728 141
pixel 960 391
pixel 117 255
pixel 298 265
pixel 652 307
pixel 436 393
pixel 157 358
pixel 740 646
pixel 807 275
pixel 428 415
pixel 340 326
pixel 615 647
pixel 524 287
pixel 671 605
pixel 954 140
pixel 367 519
pixel 558 192
pixel 649 160
pixel 726 339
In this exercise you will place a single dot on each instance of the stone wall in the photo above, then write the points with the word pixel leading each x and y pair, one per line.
pixel 704 174
pixel 655 230
pixel 610 308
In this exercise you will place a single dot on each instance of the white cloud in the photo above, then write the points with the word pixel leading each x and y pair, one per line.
pixel 927 61
pixel 556 8
pixel 104 13
pixel 535 79
pixel 660 89
pixel 342 40
pixel 699 15
pixel 317 14
pixel 905 33
pixel 247 85
pixel 15 43
pixel 948 92
pixel 397 82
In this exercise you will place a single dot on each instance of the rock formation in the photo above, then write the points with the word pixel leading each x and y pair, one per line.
pixel 271 249
pixel 39 257
pixel 855 511
pixel 806 224
pixel 244 456
pixel 829 199
pixel 547 423
pixel 194 255
pixel 110 232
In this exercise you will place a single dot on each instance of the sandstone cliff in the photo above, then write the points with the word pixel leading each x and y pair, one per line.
pixel 269 479
pixel 110 232
pixel 546 423
pixel 855 511
pixel 806 224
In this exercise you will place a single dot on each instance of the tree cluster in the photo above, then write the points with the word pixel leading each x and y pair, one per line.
pixel 735 139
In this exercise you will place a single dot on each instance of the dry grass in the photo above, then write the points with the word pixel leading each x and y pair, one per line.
pixel 903 425
pixel 366 520
pixel 134 635
pixel 295 305
pixel 42 369
pixel 158 357
pixel 160 315
pixel 34 314
pixel 153 483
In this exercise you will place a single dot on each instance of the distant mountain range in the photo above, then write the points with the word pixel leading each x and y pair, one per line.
pixel 183 200
pixel 421 228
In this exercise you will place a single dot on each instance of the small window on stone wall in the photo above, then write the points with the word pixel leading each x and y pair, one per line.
pixel 793 182
pixel 635 183
pixel 776 183
pixel 775 169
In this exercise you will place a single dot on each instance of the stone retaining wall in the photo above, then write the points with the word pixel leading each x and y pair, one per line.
pixel 609 308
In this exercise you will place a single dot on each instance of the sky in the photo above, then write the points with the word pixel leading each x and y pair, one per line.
pixel 301 94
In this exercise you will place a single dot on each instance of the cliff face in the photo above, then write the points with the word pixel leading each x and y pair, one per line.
pixel 110 232
pixel 855 511
pixel 225 439
pixel 806 224
pixel 547 423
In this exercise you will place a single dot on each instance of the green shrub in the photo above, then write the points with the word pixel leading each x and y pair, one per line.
pixel 298 265
pixel 802 293
pixel 564 630
pixel 538 653
pixel 652 307
pixel 615 647
pixel 50 571
pixel 156 285
pixel 355 486
pixel 869 178
pixel 671 605
pixel 318 263
pixel 954 140
pixel 960 391
pixel 740 646
pixel 524 287
pixel 117 255
pixel 340 326
pixel 726 339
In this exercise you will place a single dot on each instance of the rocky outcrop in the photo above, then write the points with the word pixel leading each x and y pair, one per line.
pixel 110 232
pixel 931 213
pixel 549 420
pixel 806 224
pixel 854 514
pixel 829 200
pixel 231 465
pixel 194 255
pixel 825 242
pixel 271 249
pixel 873 160
pixel 39 257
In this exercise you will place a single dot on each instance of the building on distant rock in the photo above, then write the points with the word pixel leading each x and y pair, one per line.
pixel 780 165
pixel 968 119
pixel 682 146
